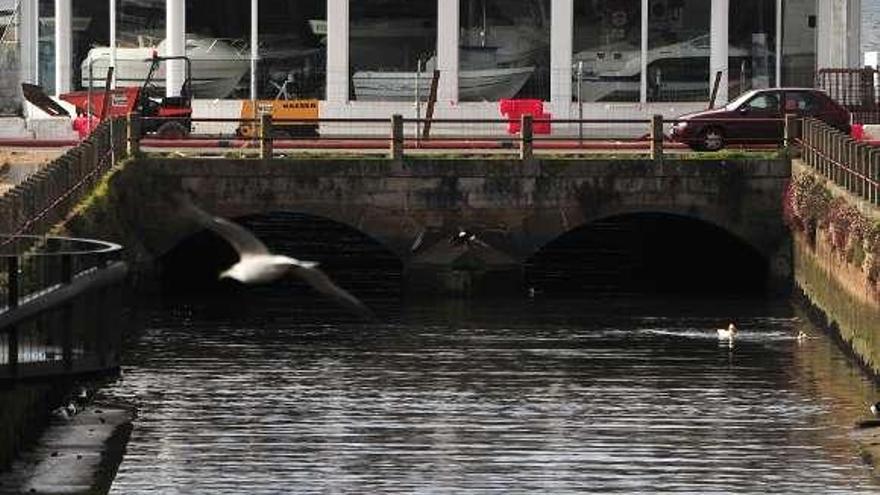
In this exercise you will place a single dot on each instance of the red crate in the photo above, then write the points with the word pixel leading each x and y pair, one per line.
pixel 514 109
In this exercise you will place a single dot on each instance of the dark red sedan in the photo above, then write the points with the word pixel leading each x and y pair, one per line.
pixel 757 117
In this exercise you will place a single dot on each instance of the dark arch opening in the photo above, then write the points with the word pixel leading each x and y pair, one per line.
pixel 352 259
pixel 652 254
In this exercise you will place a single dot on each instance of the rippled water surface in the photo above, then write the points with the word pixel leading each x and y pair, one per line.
pixel 500 397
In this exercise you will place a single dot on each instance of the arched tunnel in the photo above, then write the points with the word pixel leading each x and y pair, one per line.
pixel 643 253
pixel 649 253
pixel 352 259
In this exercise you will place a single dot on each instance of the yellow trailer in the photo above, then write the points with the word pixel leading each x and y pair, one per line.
pixel 280 110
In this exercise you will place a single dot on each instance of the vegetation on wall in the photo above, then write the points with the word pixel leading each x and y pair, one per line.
pixel 810 208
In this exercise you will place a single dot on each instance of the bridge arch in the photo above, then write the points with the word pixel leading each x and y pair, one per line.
pixel 340 248
pixel 652 249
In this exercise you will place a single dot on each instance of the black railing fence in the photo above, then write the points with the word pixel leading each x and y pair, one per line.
pixel 60 307
pixel 852 165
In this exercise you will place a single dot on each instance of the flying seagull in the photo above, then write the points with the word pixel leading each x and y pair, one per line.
pixel 256 265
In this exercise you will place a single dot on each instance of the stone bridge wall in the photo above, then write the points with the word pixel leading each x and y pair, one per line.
pixel 414 208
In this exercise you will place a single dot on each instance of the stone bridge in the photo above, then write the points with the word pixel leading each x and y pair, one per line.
pixel 514 207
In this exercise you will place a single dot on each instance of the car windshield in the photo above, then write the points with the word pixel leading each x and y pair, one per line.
pixel 739 101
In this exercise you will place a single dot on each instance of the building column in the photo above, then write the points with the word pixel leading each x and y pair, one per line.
pixel 447 50
pixel 337 51
pixel 561 39
pixel 30 41
pixel 778 37
pixel 719 42
pixel 63 45
pixel 112 42
pixel 255 46
pixel 175 46
pixel 854 34
pixel 643 79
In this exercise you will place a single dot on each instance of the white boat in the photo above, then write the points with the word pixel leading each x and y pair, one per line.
pixel 473 85
pixel 680 69
pixel 217 66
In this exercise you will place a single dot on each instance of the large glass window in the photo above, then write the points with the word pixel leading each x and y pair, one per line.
pixel 607 50
pixel 292 50
pixel 392 49
pixel 678 50
pixel 752 47
pixel 504 49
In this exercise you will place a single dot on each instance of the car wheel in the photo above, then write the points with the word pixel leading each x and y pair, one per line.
pixel 712 139
pixel 172 130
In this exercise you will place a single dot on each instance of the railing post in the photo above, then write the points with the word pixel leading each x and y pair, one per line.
pixel 266 136
pixel 12 302
pixel 791 131
pixel 134 134
pixel 14 281
pixel 862 161
pixel 657 137
pixel 395 151
pixel 874 174
pixel 527 138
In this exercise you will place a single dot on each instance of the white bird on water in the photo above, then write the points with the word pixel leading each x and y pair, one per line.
pixel 727 333
pixel 256 265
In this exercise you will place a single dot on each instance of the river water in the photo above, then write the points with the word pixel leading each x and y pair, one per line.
pixel 256 393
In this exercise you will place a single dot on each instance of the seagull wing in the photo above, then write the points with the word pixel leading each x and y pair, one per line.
pixel 322 283
pixel 241 239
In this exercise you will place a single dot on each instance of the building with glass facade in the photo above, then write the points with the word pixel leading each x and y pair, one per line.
pixel 372 58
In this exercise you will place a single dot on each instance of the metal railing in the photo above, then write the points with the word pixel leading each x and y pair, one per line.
pixel 399 135
pixel 850 164
pixel 60 306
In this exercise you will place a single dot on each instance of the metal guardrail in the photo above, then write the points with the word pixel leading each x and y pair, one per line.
pixel 850 164
pixel 60 307
pixel 522 136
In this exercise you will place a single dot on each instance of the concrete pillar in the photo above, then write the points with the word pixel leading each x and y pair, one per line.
pixel 113 41
pixel 854 33
pixel 255 48
pixel 718 55
pixel 561 35
pixel 30 40
pixel 337 51
pixel 778 37
pixel 838 33
pixel 643 80
pixel 447 49
pixel 175 45
pixel 63 45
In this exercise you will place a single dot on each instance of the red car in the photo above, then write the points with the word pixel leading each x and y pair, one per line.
pixel 757 117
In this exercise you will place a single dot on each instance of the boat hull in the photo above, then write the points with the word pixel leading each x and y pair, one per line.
pixel 211 77
pixel 474 85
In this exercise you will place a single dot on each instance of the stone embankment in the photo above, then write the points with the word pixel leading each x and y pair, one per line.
pixel 837 270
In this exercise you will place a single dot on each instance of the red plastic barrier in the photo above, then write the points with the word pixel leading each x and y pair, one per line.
pixel 514 109
pixel 857 131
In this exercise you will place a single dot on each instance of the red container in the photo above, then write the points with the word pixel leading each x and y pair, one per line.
pixel 122 101
pixel 514 109
pixel 857 131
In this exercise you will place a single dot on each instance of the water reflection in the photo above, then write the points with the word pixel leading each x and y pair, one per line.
pixel 491 397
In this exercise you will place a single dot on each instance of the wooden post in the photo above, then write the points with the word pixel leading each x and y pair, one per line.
pixel 134 134
pixel 266 136
pixel 657 137
pixel 791 131
pixel 395 151
pixel 527 137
